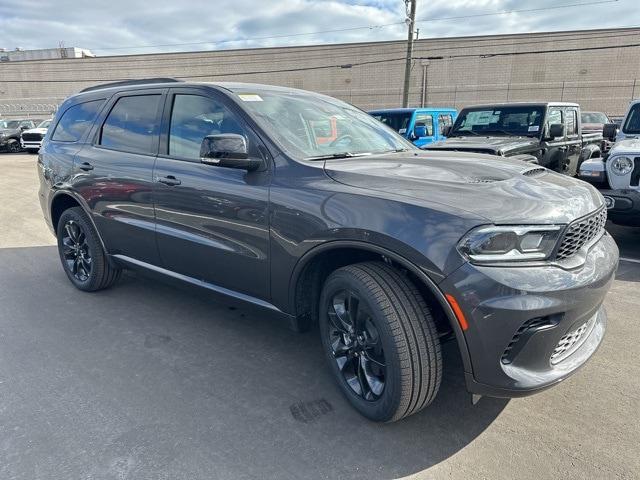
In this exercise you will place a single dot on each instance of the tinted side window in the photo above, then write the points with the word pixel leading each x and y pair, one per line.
pixel 444 120
pixel 632 125
pixel 76 120
pixel 572 122
pixel 194 117
pixel 427 121
pixel 132 124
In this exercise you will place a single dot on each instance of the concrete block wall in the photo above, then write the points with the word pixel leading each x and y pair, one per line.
pixel 471 70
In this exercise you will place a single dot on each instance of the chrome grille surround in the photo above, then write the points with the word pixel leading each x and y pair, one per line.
pixel 572 340
pixel 582 232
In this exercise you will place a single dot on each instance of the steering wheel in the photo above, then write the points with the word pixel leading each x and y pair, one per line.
pixel 340 139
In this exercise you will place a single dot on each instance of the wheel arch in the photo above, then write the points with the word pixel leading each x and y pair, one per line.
pixel 63 200
pixel 315 265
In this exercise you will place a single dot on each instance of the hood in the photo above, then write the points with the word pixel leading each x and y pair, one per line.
pixel 592 127
pixel 630 146
pixel 491 145
pixel 500 190
pixel 41 131
pixel 8 131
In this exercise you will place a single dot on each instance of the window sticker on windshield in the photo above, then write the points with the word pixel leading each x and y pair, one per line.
pixel 250 97
pixel 534 128
pixel 402 130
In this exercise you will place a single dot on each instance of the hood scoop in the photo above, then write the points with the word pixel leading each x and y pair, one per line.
pixel 483 179
pixel 534 172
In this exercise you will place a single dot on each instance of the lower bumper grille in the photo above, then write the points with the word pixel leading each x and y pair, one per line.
pixel 571 341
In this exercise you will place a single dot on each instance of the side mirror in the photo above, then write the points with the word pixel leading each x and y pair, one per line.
pixel 419 131
pixel 227 150
pixel 446 130
pixel 609 131
pixel 556 130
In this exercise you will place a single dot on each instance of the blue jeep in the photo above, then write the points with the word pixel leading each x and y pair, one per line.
pixel 420 125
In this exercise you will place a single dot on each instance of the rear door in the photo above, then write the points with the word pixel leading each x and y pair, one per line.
pixel 212 222
pixel 115 173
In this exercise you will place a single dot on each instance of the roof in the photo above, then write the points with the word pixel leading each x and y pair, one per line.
pixel 413 109
pixel 524 104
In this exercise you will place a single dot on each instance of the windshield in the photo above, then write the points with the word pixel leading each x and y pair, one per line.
pixel 9 124
pixel 398 121
pixel 594 117
pixel 44 124
pixel 517 120
pixel 632 124
pixel 310 127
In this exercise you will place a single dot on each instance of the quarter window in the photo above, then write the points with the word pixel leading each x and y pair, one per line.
pixel 132 124
pixel 76 120
pixel 192 119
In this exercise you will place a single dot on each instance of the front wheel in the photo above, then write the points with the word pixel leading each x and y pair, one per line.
pixel 14 147
pixel 380 340
pixel 81 252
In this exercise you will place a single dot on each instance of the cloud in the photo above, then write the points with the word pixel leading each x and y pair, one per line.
pixel 124 26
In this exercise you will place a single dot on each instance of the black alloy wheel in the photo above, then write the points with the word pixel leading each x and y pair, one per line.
pixel 81 252
pixel 380 340
pixel 356 345
pixel 14 147
pixel 77 254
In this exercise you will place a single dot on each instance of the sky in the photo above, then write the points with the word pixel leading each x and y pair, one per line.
pixel 120 27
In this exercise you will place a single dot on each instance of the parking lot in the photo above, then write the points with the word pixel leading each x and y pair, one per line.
pixel 149 381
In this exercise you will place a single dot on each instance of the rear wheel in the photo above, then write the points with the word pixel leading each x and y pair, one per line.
pixel 81 252
pixel 380 340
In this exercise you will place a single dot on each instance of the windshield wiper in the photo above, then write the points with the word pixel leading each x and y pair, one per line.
pixel 331 156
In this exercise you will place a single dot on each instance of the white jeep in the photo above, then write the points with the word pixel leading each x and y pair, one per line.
pixel 617 176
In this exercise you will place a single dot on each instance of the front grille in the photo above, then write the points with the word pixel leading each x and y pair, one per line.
pixel 32 137
pixel 581 232
pixel 570 342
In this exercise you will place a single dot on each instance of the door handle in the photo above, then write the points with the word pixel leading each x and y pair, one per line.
pixel 169 180
pixel 86 166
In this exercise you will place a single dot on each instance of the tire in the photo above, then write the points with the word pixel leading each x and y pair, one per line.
pixel 14 147
pixel 81 253
pixel 395 341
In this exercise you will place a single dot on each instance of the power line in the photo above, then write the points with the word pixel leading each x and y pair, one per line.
pixel 362 27
pixel 357 64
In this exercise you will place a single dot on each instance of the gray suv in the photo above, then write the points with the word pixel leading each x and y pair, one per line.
pixel 304 205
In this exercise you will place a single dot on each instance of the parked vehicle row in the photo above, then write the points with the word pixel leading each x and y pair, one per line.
pixel 421 126
pixel 10 131
pixel 304 205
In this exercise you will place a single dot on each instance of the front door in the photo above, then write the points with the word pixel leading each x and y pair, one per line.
pixel 555 149
pixel 425 120
pixel 212 221
pixel 573 141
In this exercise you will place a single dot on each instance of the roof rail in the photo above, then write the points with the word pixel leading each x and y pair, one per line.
pixel 142 81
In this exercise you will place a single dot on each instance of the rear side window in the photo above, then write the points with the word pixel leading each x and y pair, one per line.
pixel 132 124
pixel 76 120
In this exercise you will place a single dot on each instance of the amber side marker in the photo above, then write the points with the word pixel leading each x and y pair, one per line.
pixel 458 311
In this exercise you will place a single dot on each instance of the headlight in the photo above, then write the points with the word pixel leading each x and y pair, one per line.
pixel 499 244
pixel 622 165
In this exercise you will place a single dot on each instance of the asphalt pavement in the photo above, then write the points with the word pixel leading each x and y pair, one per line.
pixel 149 381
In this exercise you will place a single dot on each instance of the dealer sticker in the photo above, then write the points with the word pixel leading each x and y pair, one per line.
pixel 534 128
pixel 250 97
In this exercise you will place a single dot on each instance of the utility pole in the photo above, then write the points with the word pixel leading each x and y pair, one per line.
pixel 411 21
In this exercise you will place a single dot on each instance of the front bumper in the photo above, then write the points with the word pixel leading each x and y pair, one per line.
pixel 531 327
pixel 625 209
